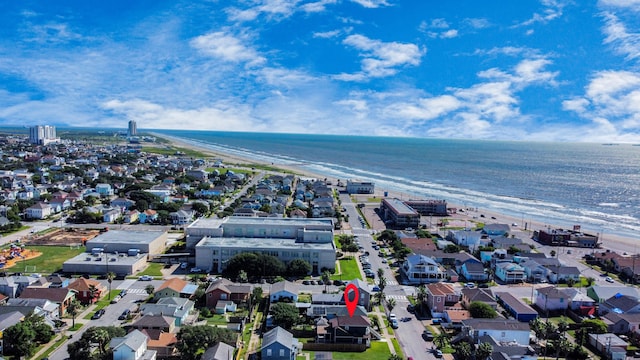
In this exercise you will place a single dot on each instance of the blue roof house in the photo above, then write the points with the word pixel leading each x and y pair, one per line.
pixel 279 344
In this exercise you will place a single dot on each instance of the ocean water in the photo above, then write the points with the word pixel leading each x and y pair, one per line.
pixel 561 184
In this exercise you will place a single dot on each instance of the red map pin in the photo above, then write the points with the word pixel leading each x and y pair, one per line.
pixel 351 304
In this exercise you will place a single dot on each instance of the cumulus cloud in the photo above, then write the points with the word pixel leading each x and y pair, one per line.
pixel 372 4
pixel 438 28
pixel 633 5
pixel 225 46
pixel 381 59
pixel 270 9
pixel 611 97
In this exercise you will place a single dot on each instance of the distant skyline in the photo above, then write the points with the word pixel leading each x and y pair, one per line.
pixel 547 70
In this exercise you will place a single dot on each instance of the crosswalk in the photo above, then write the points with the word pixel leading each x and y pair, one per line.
pixel 397 297
pixel 391 282
pixel 137 291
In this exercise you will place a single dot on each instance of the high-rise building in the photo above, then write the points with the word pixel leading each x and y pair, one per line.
pixel 133 129
pixel 43 134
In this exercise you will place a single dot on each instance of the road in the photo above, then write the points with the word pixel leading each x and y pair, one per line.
pixel 135 292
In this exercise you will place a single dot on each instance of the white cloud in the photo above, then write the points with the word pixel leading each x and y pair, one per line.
pixel 381 59
pixel 624 43
pixel 271 9
pixel 612 98
pixel 633 5
pixel 552 9
pixel 372 4
pixel 327 34
pixel 509 51
pixel 478 23
pixel 439 24
pixel 227 47
pixel 438 28
pixel 318 6
pixel 449 34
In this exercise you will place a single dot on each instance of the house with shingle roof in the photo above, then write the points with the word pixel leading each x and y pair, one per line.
pixel 622 323
pixel 283 289
pixel 177 308
pixel 502 330
pixel 132 346
pixel 279 344
pixel 551 298
pixel 84 288
pixel 440 296
pixel 467 296
pixel 155 322
pixel 60 296
pixel 473 270
pixel 223 289
pixel 175 287
pixel 622 304
pixel 364 292
pixel 601 293
pixel 219 351
pixel 345 330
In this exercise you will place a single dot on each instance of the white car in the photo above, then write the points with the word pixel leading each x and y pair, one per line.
pixel 608 279
pixel 196 270
pixel 145 278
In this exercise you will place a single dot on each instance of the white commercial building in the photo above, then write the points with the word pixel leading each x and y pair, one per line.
pixel 360 187
pixel 218 240
pixel 42 134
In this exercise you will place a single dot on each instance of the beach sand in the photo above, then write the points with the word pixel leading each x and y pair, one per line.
pixel 467 218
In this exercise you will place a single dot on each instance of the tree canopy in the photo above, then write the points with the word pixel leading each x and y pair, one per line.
pixel 298 267
pixel 482 310
pixel 195 340
pixel 285 315
pixel 255 265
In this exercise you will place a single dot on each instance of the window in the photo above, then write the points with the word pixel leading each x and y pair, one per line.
pixel 438 299
pixel 223 296
pixel 281 352
pixel 268 352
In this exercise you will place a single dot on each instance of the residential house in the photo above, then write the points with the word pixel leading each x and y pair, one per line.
pixel 132 346
pixel 181 217
pixel 601 293
pixel 219 351
pixel 163 343
pixel 440 296
pixel 223 289
pixel 454 317
pixel 509 272
pixel 496 229
pixel 131 216
pixel 622 304
pixel 279 344
pixel 38 210
pixel 345 330
pixel 9 319
pixel 420 269
pixel 175 287
pixel 622 323
pixel 579 302
pixel 364 291
pixel 122 203
pixel 158 322
pixel 88 291
pixel 283 290
pixel 60 296
pixel 473 270
pixel 613 347
pixel 111 215
pixel 551 298
pixel 148 216
pixel 104 190
pixel 469 238
pixel 467 296
pixel 516 307
pixel 564 274
pixel 175 307
pixel 502 330
pixel 12 286
pixel 41 307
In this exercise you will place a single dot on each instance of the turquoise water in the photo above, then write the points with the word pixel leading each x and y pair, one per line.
pixel 595 185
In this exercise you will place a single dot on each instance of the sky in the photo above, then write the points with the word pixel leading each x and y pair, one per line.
pixel 543 70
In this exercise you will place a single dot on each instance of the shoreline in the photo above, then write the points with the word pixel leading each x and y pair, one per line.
pixel 613 242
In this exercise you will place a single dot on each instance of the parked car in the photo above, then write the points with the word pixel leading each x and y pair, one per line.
pixel 124 315
pixel 470 285
pixel 438 354
pixel 116 299
pixel 196 270
pixel 98 314
pixel 370 275
pixel 609 279
pixel 427 335
pixel 411 309
pixel 123 293
pixel 145 278
pixel 394 323
pixel 376 288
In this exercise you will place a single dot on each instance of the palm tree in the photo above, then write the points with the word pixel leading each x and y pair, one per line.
pixel 484 351
pixel 256 296
pixel 93 293
pixel 463 350
pixel 391 303
pixel 326 278
pixel 110 277
pixel 72 310
pixel 381 297
pixel 380 272
pixel 440 340
pixel 421 296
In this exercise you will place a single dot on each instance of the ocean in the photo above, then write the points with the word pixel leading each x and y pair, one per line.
pixel 596 186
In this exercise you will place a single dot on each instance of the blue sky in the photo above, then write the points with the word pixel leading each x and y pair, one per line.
pixel 550 70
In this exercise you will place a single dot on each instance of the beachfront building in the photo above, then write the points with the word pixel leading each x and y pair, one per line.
pixel 43 135
pixel 396 214
pixel 218 240
pixel 561 237
pixel 360 187
pixel 429 207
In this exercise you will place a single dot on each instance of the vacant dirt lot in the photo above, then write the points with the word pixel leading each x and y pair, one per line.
pixel 64 236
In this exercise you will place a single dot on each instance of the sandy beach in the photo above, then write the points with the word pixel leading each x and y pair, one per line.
pixel 468 217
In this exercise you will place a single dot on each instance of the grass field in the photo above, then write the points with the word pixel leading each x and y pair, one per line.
pixel 51 259
pixel 154 269
pixel 379 351
pixel 350 270
pixel 170 150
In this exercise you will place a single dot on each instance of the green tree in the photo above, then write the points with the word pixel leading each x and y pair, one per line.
pixel 100 335
pixel 200 208
pixel 73 310
pixel 421 296
pixel 482 310
pixel 110 277
pixel 194 340
pixel 571 282
pixel 484 351
pixel 391 303
pixel 298 267
pixel 326 278
pixel 19 340
pixel 242 277
pixel 149 289
pixel 93 293
pixel 256 295
pixel 285 315
pixel 452 248
pixel 440 340
pixel 463 350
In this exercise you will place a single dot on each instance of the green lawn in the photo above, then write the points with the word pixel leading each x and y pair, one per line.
pixel 350 270
pixel 217 319
pixel 154 269
pixel 396 347
pixel 170 150
pixel 51 259
pixel 379 351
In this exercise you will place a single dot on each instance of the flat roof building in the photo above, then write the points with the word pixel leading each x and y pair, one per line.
pixel 122 241
pixel 428 207
pixel 360 187
pixel 217 241
pixel 396 214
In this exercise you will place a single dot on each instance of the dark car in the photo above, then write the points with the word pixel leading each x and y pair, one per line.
pixel 411 309
pixel 124 315
pixel 98 314
pixel 123 293
pixel 427 335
